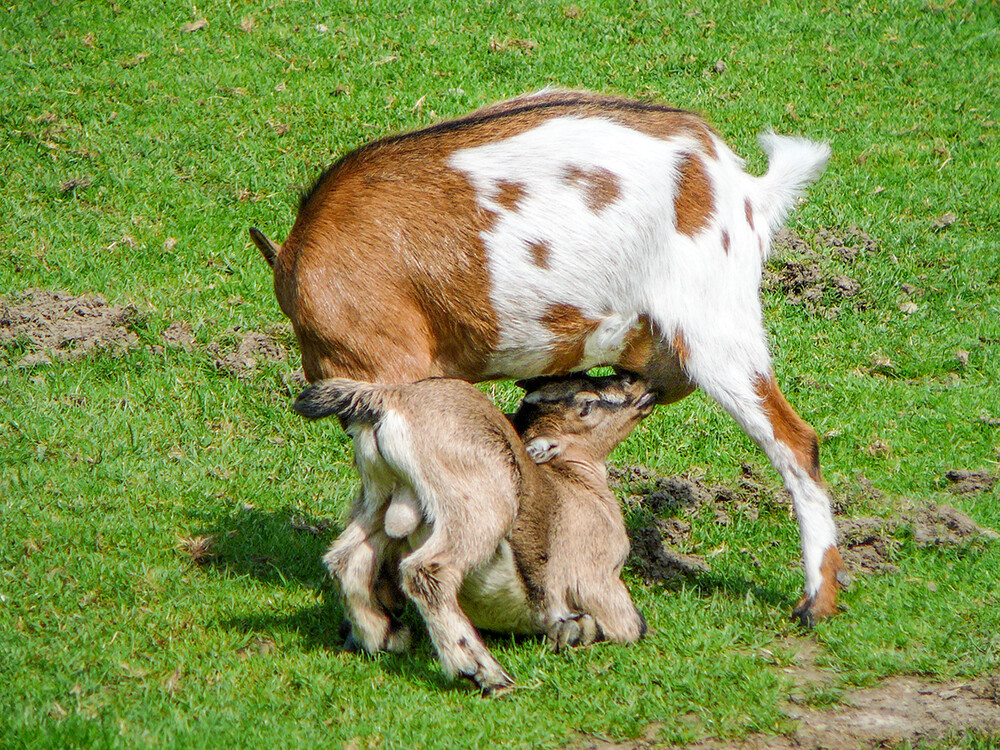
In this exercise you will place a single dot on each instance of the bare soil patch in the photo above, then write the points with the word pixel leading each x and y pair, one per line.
pixel 899 711
pixel 47 325
pixel 672 502
pixel 40 326
pixel 868 544
pixel 964 482
pixel 809 272
pixel 179 335
pixel 251 348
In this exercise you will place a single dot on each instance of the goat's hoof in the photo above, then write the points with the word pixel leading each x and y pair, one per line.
pixel 580 630
pixel 810 610
pixel 491 685
pixel 397 640
pixel 351 644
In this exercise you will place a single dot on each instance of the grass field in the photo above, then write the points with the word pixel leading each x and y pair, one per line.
pixel 163 511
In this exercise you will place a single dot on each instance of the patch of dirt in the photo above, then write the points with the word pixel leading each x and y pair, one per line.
pixel 868 544
pixel 670 500
pixel 655 559
pixel 242 359
pixel 899 711
pixel 964 482
pixel 179 335
pixel 61 325
pixel 41 326
pixel 801 269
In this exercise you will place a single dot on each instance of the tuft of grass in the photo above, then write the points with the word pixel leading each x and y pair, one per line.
pixel 162 516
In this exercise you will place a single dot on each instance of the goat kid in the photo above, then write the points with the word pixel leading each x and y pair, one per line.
pixel 549 234
pixel 478 525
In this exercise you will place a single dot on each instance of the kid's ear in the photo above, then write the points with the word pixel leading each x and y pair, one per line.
pixel 585 402
pixel 543 449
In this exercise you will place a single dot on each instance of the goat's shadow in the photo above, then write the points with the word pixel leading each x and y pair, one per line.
pixel 285 547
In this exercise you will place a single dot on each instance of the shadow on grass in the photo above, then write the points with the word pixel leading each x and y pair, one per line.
pixel 319 628
pixel 736 587
pixel 283 547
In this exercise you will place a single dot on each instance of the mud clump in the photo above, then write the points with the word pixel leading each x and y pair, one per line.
pixel 964 482
pixel 656 561
pixel 179 335
pixel 670 501
pixel 869 545
pixel 63 326
pixel 802 274
pixel 251 349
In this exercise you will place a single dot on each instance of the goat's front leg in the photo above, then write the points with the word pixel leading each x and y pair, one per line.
pixel 600 608
pixel 355 559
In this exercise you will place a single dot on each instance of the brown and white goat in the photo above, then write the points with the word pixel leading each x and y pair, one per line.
pixel 551 233
pixel 474 523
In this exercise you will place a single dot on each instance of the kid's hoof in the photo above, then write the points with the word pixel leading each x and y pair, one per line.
pixel 573 631
pixel 491 683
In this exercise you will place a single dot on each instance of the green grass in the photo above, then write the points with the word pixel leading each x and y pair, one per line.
pixel 111 636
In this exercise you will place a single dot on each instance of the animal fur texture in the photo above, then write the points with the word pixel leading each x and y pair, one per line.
pixel 478 525
pixel 551 233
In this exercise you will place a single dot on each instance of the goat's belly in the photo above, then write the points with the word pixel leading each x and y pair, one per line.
pixel 580 341
pixel 494 596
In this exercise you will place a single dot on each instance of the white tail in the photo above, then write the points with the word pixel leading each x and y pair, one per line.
pixel 792 165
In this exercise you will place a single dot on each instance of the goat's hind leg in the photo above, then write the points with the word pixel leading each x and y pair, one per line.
pixel 431 577
pixel 751 396
pixel 356 560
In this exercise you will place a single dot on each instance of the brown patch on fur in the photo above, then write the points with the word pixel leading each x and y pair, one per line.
pixel 824 602
pixel 660 363
pixel 509 194
pixel 386 300
pixel 749 211
pixel 695 202
pixel 789 428
pixel 380 291
pixel 680 346
pixel 540 253
pixel 570 329
pixel 725 242
pixel 599 186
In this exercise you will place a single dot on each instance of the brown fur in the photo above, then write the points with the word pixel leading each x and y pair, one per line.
pixel 647 351
pixel 599 186
pixel 824 602
pixel 571 329
pixel 725 242
pixel 540 253
pixel 789 427
pixel 695 202
pixel 749 212
pixel 509 195
pixel 389 233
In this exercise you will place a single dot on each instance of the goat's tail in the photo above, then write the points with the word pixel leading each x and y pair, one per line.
pixel 792 165
pixel 351 400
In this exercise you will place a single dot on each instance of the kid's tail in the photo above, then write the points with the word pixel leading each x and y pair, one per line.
pixel 351 400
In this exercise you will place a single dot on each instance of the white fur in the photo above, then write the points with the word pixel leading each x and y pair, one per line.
pixel 627 259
